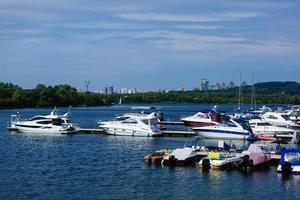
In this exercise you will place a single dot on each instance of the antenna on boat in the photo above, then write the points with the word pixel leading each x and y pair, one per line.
pixel 240 91
pixel 253 95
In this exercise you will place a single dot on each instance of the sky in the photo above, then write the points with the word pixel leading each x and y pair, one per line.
pixel 148 44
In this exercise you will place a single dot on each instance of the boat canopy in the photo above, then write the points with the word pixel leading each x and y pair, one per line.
pixel 290 155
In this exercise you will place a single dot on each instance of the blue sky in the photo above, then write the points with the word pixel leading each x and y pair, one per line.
pixel 148 44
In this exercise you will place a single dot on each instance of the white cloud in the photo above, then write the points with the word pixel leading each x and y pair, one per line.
pixel 259 4
pixel 236 44
pixel 213 17
pixel 196 27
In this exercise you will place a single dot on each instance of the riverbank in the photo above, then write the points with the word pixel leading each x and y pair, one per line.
pixel 13 96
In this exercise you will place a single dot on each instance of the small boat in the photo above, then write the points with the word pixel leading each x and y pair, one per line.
pixel 157 157
pixel 45 124
pixel 144 108
pixel 256 157
pixel 220 160
pixel 181 157
pixel 289 161
pixel 132 125
pixel 232 129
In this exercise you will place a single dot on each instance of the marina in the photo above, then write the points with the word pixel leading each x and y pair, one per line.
pixel 94 145
pixel 149 100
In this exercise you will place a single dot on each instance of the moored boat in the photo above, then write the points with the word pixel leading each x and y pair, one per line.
pixel 181 157
pixel 45 124
pixel 289 161
pixel 157 157
pixel 219 160
pixel 201 119
pixel 281 119
pixel 256 156
pixel 232 129
pixel 132 125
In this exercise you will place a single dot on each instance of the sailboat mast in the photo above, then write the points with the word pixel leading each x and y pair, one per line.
pixel 240 91
pixel 253 95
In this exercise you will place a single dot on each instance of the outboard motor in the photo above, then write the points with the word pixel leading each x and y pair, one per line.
pixel 286 168
pixel 205 164
pixel 172 161
pixel 245 163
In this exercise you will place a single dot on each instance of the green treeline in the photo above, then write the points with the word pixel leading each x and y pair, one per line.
pixel 13 96
pixel 199 97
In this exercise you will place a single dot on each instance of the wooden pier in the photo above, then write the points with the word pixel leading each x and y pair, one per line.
pixel 167 133
pixel 170 123
pixel 90 130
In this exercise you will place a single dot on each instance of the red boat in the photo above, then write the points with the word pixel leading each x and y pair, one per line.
pixel 202 119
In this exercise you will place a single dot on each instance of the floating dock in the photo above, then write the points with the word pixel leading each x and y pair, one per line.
pixel 170 123
pixel 90 130
pixel 167 133
pixel 205 153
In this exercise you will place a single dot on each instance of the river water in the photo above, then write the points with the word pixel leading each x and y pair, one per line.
pixel 107 167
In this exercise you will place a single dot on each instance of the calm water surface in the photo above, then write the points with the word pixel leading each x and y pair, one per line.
pixel 108 167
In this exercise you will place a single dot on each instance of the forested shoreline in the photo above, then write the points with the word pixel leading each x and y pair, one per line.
pixel 13 96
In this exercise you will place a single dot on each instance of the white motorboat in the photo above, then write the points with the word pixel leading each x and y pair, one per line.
pixel 280 119
pixel 139 115
pixel 219 160
pixel 289 161
pixel 181 157
pixel 262 127
pixel 45 124
pixel 132 125
pixel 229 130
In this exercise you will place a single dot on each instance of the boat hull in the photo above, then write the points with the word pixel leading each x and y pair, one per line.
pixel 44 130
pixel 219 164
pixel 295 169
pixel 221 134
pixel 129 132
pixel 180 163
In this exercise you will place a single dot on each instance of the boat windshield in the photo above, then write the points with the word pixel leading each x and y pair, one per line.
pixel 121 118
pixel 37 118
pixel 263 124
pixel 44 122
pixel 201 115
pixel 286 117
pixel 56 122
pixel 246 126
pixel 229 123
pixel 130 121
pixel 292 157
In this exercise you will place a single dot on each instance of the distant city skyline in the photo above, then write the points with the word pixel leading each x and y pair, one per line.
pixel 149 45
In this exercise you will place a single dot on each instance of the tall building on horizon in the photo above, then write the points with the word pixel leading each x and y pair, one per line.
pixel 111 90
pixel 105 90
pixel 204 85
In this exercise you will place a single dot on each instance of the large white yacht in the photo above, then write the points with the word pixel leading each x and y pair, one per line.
pixel 45 124
pixel 132 125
